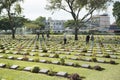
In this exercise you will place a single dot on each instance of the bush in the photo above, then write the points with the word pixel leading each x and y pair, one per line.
pixel 94 59
pixel 45 50
pixel 62 61
pixel 56 56
pixel 84 50
pixel 97 68
pixel 36 59
pixel 21 68
pixel 51 73
pixel 35 69
pixel 107 56
pixel 112 62
pixel 48 61
pixel 76 65
pixel 25 58
pixel 75 76
pixel 5 56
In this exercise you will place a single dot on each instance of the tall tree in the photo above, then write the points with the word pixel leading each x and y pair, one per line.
pixel 40 21
pixel 74 7
pixel 116 12
pixel 7 5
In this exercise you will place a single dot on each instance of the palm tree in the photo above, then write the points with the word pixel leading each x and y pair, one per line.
pixel 7 5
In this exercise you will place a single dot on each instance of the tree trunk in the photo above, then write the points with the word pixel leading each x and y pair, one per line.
pixel 13 34
pixel 76 33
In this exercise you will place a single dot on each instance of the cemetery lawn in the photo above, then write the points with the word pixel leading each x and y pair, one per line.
pixel 109 72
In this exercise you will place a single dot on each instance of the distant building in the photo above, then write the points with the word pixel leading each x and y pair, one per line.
pixel 56 25
pixel 114 28
pixel 101 22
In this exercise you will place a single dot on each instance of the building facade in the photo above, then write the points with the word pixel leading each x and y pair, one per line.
pixel 101 22
pixel 57 26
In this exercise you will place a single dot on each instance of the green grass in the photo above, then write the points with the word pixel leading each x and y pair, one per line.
pixel 111 72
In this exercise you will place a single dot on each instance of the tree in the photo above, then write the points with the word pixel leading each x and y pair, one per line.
pixel 4 24
pixel 74 7
pixel 40 21
pixel 31 25
pixel 7 5
pixel 70 24
pixel 116 12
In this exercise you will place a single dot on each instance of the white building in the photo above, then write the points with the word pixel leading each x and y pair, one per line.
pixel 56 25
pixel 102 22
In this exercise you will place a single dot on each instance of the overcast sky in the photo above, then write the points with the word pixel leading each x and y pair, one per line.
pixel 36 8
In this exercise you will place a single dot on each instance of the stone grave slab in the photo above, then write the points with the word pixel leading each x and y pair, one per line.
pixel 33 50
pixel 63 74
pixel 44 71
pixel 77 54
pixel 40 50
pixel 30 59
pixel 20 58
pixel 12 49
pixel 14 67
pixel 69 63
pixel 2 65
pixel 80 50
pixel 55 62
pixel 58 52
pixel 27 68
pixel 51 56
pixel 1 51
pixel 67 53
pixel 1 56
pixel 24 53
pixel 87 59
pixel 108 50
pixel 16 52
pixel 111 53
pixel 43 61
pixel 101 61
pixel 89 51
pixel 85 66
pixel 113 56
pixel 88 54
pixel 42 55
pixel 10 57
pixel 74 58
pixel 99 52
pixel 31 54
pixel 100 55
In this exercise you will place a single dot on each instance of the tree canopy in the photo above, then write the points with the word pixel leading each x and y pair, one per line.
pixel 116 12
pixel 40 21
pixel 8 6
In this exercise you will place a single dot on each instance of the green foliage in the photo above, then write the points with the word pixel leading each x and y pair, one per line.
pixel 56 56
pixel 116 12
pixel 44 49
pixel 76 64
pixel 35 69
pixel 51 72
pixel 75 76
pixel 62 61
pixel 5 56
pixel 36 59
pixel 97 68
pixel 94 59
pixel 8 5
pixel 40 21
pixel 4 24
